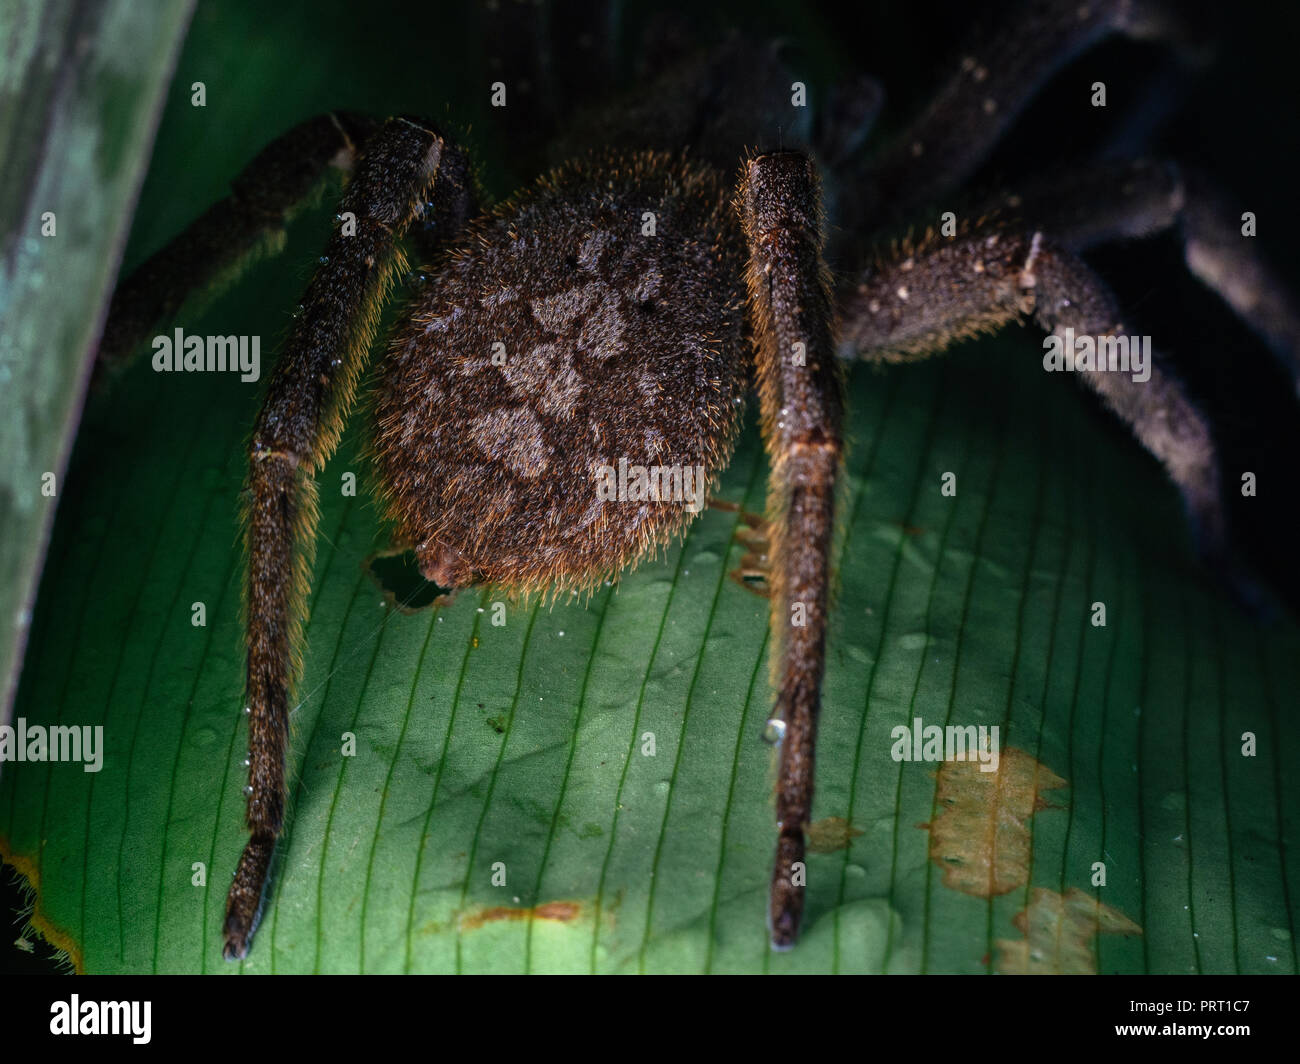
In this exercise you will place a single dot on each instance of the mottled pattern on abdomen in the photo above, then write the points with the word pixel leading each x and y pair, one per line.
pixel 558 338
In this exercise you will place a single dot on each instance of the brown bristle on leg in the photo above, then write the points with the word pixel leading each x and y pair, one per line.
pixel 802 394
pixel 1000 70
pixel 939 291
pixel 1084 206
pixel 296 431
pixel 212 250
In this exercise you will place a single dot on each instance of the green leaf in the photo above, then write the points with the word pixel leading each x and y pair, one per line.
pixel 967 610
pixel 80 89
pixel 525 744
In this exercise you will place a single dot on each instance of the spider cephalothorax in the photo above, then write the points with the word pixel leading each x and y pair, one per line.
pixel 615 314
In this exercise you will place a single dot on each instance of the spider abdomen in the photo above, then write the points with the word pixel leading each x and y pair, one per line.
pixel 557 401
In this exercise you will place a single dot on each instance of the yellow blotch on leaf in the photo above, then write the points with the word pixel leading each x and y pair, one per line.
pixel 981 836
pixel 830 834
pixel 1059 931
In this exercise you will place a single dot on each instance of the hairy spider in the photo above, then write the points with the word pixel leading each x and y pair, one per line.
pixel 617 312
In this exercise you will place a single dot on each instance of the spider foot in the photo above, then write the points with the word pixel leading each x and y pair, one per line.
pixel 785 908
pixel 247 892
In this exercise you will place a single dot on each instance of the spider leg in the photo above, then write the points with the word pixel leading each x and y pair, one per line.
pixel 996 77
pixel 1096 205
pixel 213 249
pixel 400 175
pixel 928 296
pixel 801 393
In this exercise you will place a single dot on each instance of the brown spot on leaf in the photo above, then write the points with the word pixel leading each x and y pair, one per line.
pixel 830 834
pixel 755 568
pixel 565 912
pixel 1059 932
pixel 981 836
